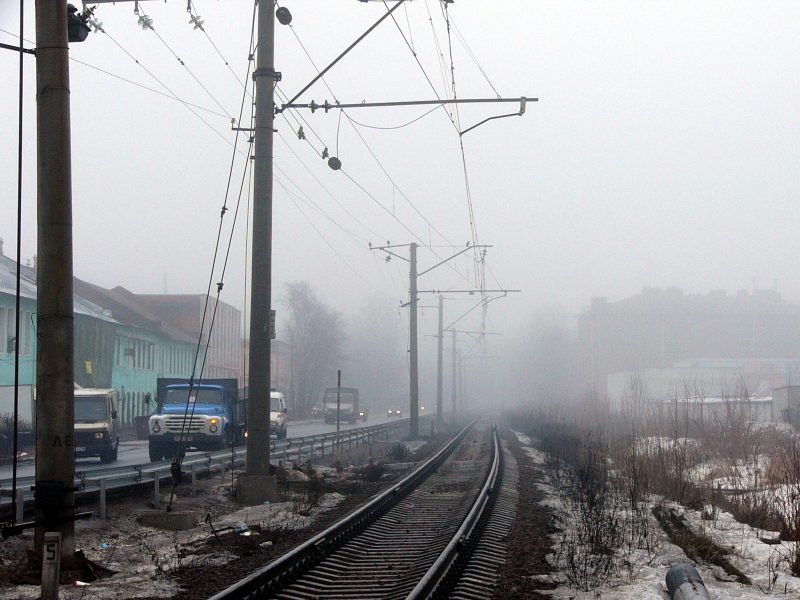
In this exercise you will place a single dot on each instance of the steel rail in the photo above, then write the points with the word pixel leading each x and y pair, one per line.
pixel 460 546
pixel 265 580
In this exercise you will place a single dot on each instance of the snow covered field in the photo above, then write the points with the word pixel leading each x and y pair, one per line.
pixel 639 565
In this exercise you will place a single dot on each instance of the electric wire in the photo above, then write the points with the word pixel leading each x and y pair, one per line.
pixel 176 465
pixel 333 249
pixel 422 116
pixel 298 118
pixel 372 153
pixel 149 89
pixel 162 84
pixel 170 95
pixel 338 203
pixel 193 11
pixel 185 66
pixel 474 58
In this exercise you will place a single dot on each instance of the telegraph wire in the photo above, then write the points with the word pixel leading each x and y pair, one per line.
pixel 162 84
pixel 171 95
pixel 149 89
pixel 336 200
pixel 185 66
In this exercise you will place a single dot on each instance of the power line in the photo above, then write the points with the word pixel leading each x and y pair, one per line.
pixel 321 77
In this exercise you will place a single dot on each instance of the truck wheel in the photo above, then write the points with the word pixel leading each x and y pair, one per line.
pixel 109 455
pixel 156 452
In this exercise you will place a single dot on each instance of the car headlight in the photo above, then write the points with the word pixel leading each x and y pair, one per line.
pixel 214 420
pixel 98 435
pixel 156 427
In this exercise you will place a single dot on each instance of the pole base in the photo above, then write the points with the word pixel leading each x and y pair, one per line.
pixel 256 489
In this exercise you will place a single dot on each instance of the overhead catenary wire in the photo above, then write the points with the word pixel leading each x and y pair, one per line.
pixel 321 78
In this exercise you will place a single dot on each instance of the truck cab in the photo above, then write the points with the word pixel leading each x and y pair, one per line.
pixel 198 416
pixel 96 424
pixel 347 405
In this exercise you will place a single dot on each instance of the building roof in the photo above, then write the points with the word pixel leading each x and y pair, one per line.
pixel 116 305
pixel 8 285
pixel 128 309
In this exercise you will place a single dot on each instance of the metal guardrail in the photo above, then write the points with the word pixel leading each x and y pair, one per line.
pixel 297 449
pixel 259 584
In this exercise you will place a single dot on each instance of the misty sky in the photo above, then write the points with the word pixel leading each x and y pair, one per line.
pixel 663 150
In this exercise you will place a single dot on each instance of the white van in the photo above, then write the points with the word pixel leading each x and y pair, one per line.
pixel 96 424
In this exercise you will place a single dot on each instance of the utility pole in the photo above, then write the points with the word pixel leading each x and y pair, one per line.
pixel 453 387
pixel 55 423
pixel 256 485
pixel 413 292
pixel 439 352
pixel 413 371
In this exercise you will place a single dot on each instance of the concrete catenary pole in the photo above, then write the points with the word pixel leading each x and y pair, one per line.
pixel 453 390
pixel 55 456
pixel 414 357
pixel 256 485
pixel 439 352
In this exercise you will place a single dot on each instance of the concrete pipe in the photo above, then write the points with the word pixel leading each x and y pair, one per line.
pixel 685 583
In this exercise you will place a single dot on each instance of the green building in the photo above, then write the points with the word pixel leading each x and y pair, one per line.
pixel 119 342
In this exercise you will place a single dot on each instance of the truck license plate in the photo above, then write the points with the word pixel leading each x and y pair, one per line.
pixel 80 448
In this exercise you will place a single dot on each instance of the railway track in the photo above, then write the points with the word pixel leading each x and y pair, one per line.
pixel 434 534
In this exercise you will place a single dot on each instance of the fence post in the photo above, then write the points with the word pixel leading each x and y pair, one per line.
pixel 103 505
pixel 20 505
pixel 156 493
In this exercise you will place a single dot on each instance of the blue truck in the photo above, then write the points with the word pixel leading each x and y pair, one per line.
pixel 206 415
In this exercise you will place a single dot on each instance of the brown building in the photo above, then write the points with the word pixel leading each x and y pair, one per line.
pixel 661 327
pixel 185 311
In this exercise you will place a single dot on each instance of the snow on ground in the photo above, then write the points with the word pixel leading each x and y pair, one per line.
pixel 642 576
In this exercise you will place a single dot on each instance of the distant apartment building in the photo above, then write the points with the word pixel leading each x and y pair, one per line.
pixel 185 312
pixel 659 328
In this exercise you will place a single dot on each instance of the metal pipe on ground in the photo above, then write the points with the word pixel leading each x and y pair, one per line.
pixel 685 583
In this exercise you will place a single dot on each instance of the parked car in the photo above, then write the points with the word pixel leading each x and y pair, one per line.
pixel 394 412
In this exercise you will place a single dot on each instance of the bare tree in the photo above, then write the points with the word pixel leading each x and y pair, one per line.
pixel 376 353
pixel 316 338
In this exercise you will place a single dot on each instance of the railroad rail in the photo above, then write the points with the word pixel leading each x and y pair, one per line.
pixel 412 541
pixel 99 482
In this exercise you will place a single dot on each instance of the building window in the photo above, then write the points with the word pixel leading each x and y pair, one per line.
pixel 3 344
pixel 26 348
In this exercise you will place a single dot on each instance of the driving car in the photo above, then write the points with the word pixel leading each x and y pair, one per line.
pixel 394 412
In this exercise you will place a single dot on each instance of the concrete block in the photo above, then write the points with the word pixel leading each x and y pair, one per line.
pixel 171 521
pixel 256 489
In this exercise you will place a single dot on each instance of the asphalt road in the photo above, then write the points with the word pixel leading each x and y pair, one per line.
pixel 136 453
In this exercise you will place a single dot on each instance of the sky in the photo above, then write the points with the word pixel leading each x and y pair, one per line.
pixel 662 150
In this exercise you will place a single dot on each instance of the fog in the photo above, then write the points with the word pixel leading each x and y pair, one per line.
pixel 662 152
